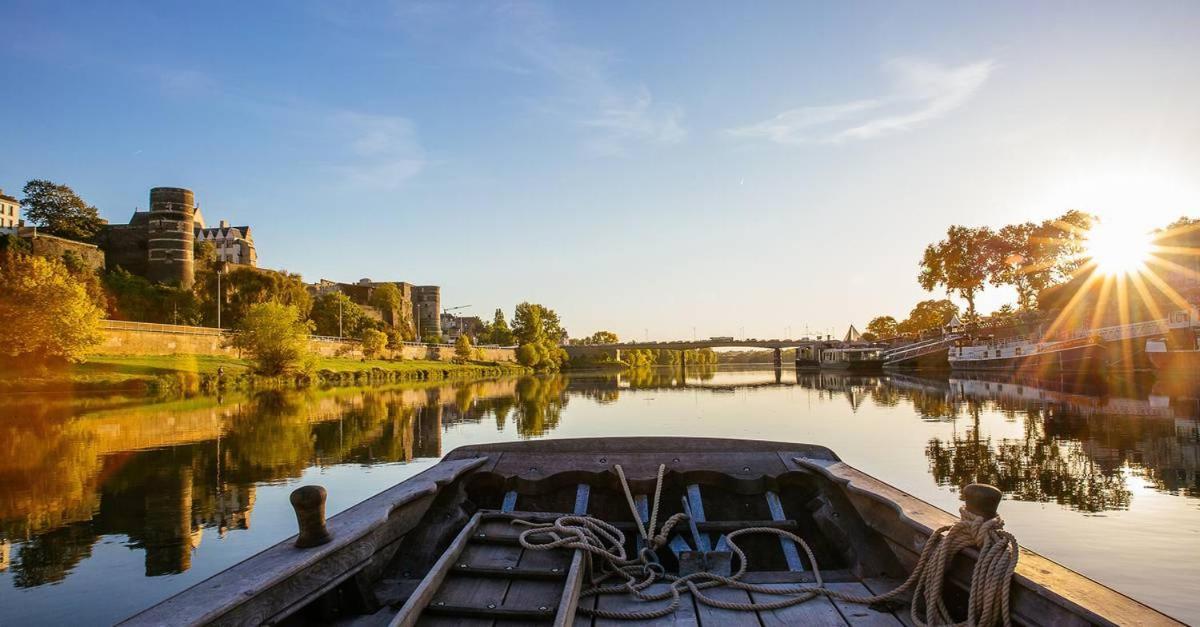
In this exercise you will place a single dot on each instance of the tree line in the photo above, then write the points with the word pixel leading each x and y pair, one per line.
pixel 1029 257
pixel 637 357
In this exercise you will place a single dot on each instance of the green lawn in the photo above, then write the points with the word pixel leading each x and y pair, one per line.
pixel 160 364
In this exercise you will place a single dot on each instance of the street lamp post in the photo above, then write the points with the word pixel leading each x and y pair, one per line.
pixel 221 268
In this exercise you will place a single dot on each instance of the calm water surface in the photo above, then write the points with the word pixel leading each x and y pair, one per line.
pixel 108 505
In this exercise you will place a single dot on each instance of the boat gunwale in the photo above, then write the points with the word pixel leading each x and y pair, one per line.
pixel 639 445
pixel 1035 572
pixel 236 587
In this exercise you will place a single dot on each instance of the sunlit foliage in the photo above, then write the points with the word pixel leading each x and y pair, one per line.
pixel 45 313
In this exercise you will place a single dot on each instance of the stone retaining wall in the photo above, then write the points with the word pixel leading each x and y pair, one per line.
pixel 162 340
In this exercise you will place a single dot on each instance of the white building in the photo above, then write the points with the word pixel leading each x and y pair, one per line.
pixel 234 244
pixel 10 212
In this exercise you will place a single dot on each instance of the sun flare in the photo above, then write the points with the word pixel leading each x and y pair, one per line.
pixel 1117 249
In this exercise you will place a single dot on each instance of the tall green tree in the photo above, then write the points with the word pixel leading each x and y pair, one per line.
pixel 275 337
pixel 58 210
pixel 602 337
pixel 45 313
pixel 928 315
pixel 373 341
pixel 958 263
pixel 243 287
pixel 1063 242
pixel 498 331
pixel 539 335
pixel 462 348
pixel 883 327
pixel 334 315
pixel 1015 259
pixel 132 297
pixel 1031 257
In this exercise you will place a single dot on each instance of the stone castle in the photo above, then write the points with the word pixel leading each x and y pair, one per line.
pixel 425 302
pixel 159 244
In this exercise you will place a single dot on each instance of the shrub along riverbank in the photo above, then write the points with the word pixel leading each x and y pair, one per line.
pixel 161 374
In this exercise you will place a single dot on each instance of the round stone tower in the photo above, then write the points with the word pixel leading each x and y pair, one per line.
pixel 170 236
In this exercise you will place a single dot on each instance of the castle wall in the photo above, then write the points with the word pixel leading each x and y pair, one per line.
pixel 54 248
pixel 124 246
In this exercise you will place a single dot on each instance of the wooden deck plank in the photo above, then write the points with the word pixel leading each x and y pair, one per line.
pixel 879 585
pixel 719 617
pixel 453 621
pixel 581 619
pixel 685 616
pixel 474 592
pixel 541 596
pixel 487 556
pixel 860 615
pixel 433 583
pixel 819 611
pixel 493 529
pixel 546 560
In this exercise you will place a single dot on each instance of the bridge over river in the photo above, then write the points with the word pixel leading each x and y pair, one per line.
pixel 713 342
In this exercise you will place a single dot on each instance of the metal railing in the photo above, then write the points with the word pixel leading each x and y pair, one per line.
pixel 920 348
pixel 151 327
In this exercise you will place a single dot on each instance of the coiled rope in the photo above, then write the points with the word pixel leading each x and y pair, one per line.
pixel 988 603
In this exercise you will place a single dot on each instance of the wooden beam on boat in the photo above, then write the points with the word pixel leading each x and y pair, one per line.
pixel 643 507
pixel 564 615
pixel 532 461
pixel 582 492
pixel 271 585
pixel 697 506
pixel 790 553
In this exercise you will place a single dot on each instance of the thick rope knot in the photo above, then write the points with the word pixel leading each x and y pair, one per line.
pixel 979 529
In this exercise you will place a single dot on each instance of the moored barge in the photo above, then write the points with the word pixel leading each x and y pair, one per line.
pixel 1083 355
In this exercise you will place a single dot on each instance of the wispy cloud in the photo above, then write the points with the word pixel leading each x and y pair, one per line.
pixel 582 83
pixel 380 152
pixel 635 118
pixel 614 114
pixel 922 91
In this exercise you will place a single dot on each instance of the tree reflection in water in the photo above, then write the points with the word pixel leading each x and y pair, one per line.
pixel 160 475
pixel 1035 468
pixel 1078 441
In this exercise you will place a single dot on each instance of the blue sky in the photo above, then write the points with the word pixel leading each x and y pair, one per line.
pixel 648 168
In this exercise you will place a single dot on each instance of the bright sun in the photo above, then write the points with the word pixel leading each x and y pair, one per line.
pixel 1118 248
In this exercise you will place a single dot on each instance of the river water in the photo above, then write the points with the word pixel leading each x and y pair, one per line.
pixel 108 505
